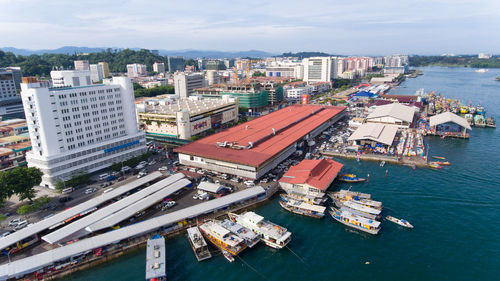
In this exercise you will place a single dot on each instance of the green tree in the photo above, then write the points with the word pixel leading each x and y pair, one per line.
pixel 20 181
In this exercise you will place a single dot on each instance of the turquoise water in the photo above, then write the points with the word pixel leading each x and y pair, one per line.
pixel 455 211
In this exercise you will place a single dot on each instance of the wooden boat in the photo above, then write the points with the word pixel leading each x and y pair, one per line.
pixel 354 221
pixel 303 208
pixel 198 244
pixel 346 195
pixel 490 122
pixel 356 212
pixel 222 238
pixel 228 256
pixel 155 259
pixel 439 157
pixel 356 205
pixel 273 235
pixel 350 178
pixel 435 165
pixel 445 163
pixel 307 199
pixel 251 238
pixel 401 222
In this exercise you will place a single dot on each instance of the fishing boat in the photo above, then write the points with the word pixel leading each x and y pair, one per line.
pixel 228 256
pixel 470 119
pixel 445 163
pixel 472 109
pixel 490 122
pixel 479 121
pixel 439 157
pixel 302 208
pixel 434 165
pixel 482 70
pixel 222 238
pixel 358 207
pixel 354 221
pixel 198 244
pixel 251 238
pixel 361 198
pixel 350 178
pixel 155 259
pixel 382 164
pixel 480 110
pixel 401 222
pixel 497 78
pixel 356 212
pixel 273 235
pixel 304 198
pixel 464 110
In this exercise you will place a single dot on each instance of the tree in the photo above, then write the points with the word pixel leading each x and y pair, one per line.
pixel 20 181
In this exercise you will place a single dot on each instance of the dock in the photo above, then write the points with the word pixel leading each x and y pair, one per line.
pixel 198 244
pixel 156 268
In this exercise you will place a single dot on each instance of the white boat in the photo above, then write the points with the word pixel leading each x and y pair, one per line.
pixel 354 221
pixel 251 238
pixel 228 256
pixel 401 222
pixel 358 213
pixel 359 207
pixel 360 198
pixel 482 70
pixel 273 235
pixel 198 244
pixel 303 208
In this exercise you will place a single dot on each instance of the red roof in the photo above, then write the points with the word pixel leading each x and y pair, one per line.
pixel 290 124
pixel 316 173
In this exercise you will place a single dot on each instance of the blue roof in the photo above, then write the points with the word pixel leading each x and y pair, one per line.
pixel 364 94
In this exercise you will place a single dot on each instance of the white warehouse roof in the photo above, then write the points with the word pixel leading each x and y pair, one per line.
pixel 446 117
pixel 209 187
pixel 376 132
pixel 394 110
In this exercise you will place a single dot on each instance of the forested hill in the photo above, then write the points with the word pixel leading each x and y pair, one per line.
pixel 41 65
pixel 464 60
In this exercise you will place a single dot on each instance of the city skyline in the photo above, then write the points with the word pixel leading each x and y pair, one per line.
pixel 338 28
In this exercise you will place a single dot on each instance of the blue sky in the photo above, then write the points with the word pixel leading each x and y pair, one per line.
pixel 371 27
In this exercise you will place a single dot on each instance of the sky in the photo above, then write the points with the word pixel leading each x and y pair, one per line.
pixel 356 27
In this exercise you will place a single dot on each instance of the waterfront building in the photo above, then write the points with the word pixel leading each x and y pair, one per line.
pixel 392 114
pixel 185 83
pixel 175 64
pixel 81 65
pixel 105 69
pixel 80 128
pixel 254 148
pixel 449 124
pixel 159 67
pixel 374 135
pixel 96 73
pixel 310 178
pixel 136 70
pixel 168 119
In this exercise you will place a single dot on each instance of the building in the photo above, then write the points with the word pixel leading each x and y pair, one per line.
pixel 395 70
pixel 175 64
pixel 251 99
pixel 136 70
pixel 8 86
pixel 483 56
pixel 295 94
pixel 319 69
pixel 70 78
pixel 10 101
pixel 16 73
pixel 212 77
pixel 159 67
pixel 252 149
pixel 396 61
pixel 80 129
pixel 96 73
pixel 185 83
pixel 281 71
pixel 105 69
pixel 14 143
pixel 374 134
pixel 81 65
pixel 449 124
pixel 310 178
pixel 169 119
pixel 392 114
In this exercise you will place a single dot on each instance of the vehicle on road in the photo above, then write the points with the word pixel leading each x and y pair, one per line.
pixel 14 222
pixel 103 176
pixel 111 178
pixel 21 225
pixel 125 169
pixel 164 168
pixel 67 190
pixel 90 190
pixel 152 163
pixel 141 174
pixel 106 184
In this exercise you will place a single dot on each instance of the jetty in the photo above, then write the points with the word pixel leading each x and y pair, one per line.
pixel 156 268
pixel 198 244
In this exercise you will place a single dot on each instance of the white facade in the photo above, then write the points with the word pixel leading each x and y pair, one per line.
pixel 83 129
pixel 296 93
pixel 185 84
pixel 159 67
pixel 136 70
pixel 81 65
pixel 96 72
pixel 319 69
pixel 395 61
pixel 70 78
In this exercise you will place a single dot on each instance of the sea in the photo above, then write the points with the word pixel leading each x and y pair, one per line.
pixel 455 211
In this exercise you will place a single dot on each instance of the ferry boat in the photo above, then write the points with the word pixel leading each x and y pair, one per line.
pixel 401 222
pixel 302 208
pixel 251 238
pixel 358 207
pixel 273 235
pixel 222 238
pixel 354 221
pixel 490 122
pixel 350 178
pixel 361 198
pixel 307 199
pixel 356 212
pixel 198 244
pixel 155 259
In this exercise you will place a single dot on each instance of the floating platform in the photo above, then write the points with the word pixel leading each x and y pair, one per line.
pixel 156 268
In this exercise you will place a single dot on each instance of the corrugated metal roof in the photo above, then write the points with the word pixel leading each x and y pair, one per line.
pixel 27 265
pixel 376 132
pixel 60 217
pixel 317 173
pixel 210 187
pixel 446 117
pixel 395 110
pixel 75 230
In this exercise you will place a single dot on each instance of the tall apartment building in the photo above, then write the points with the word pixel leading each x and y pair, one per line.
pixel 81 65
pixel 16 73
pixel 159 67
pixel 319 69
pixel 185 84
pixel 175 64
pixel 136 70
pixel 96 72
pixel 81 129
pixel 70 78
pixel 105 69
pixel 10 101
pixel 396 61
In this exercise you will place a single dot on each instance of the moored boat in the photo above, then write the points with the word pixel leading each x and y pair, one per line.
pixel 439 157
pixel 434 165
pixel 360 198
pixel 350 178
pixel 307 199
pixel 357 206
pixel 198 244
pixel 479 121
pixel 354 221
pixel 470 119
pixel 251 238
pixel 356 212
pixel 222 238
pixel 401 222
pixel 155 259
pixel 490 122
pixel 445 163
pixel 303 208
pixel 464 110
pixel 228 256
pixel 273 235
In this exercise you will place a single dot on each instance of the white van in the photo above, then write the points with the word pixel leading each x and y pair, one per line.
pixel 103 176
pixel 67 190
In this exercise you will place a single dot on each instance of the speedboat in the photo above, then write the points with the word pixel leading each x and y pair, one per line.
pixel 401 222
pixel 350 178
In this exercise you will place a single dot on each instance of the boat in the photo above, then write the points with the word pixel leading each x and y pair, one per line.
pixel 472 109
pixel 434 165
pixel 251 238
pixel 439 157
pixel 350 178
pixel 361 198
pixel 222 238
pixel 382 164
pixel 358 207
pixel 401 222
pixel 198 244
pixel 304 198
pixel 354 221
pixel 479 121
pixel 302 208
pixel 497 78
pixel 155 259
pixel 464 110
pixel 482 70
pixel 273 235
pixel 228 256
pixel 356 212
pixel 490 122
pixel 445 163
pixel 469 118
pixel 480 110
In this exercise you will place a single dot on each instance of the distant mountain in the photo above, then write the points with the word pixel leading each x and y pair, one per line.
pixel 188 53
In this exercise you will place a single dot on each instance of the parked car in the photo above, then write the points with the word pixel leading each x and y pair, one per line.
pixel 67 190
pixel 140 166
pixel 164 168
pixel 110 178
pixel 21 225
pixel 14 222
pixel 120 178
pixel 141 174
pixel 152 163
pixel 90 190
pixel 106 184
pixel 143 163
pixel 103 176
pixel 125 169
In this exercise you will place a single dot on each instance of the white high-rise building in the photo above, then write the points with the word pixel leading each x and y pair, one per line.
pixel 81 65
pixel 159 67
pixel 83 129
pixel 319 69
pixel 70 78
pixel 136 70
pixel 185 84
pixel 96 72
